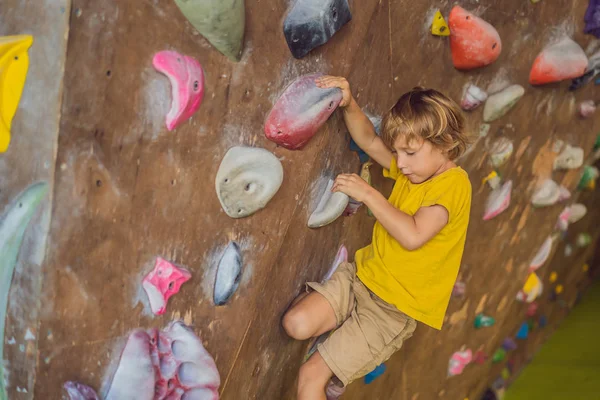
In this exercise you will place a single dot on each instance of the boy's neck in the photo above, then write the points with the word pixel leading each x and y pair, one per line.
pixel 443 168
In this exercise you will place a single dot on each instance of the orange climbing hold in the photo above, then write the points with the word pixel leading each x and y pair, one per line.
pixel 562 60
pixel 474 42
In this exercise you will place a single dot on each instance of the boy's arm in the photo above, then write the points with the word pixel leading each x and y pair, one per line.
pixel 360 127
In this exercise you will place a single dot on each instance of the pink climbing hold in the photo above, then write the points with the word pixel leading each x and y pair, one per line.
pixel 459 361
pixel 300 111
pixel 587 108
pixel 562 60
pixel 340 257
pixel 472 97
pixel 187 85
pixel 474 42
pixel 162 283
pixel 498 201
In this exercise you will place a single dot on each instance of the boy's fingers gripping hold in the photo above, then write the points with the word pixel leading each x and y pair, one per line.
pixel 328 81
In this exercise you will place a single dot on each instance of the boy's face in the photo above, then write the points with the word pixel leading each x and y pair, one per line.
pixel 419 160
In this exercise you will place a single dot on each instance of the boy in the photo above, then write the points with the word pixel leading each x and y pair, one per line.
pixel 408 271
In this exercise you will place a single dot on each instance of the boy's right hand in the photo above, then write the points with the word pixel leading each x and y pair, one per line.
pixel 328 81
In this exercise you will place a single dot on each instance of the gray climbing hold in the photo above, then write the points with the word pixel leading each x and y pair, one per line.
pixel 498 104
pixel 330 207
pixel 229 274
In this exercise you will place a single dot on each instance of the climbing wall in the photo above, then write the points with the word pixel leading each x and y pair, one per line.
pixel 125 190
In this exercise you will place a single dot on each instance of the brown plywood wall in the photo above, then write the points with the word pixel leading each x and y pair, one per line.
pixel 125 190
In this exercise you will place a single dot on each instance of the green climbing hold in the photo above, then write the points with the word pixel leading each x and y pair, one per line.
pixel 588 178
pixel 221 22
pixel 499 355
pixel 483 321
pixel 597 143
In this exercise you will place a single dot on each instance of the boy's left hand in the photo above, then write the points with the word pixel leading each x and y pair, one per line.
pixel 352 185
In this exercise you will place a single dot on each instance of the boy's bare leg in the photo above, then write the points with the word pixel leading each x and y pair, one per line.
pixel 311 316
pixel 313 378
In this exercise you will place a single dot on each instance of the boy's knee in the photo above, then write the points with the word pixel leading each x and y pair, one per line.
pixel 313 377
pixel 296 324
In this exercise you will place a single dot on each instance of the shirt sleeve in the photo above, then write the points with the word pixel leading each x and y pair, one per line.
pixel 453 193
pixel 392 172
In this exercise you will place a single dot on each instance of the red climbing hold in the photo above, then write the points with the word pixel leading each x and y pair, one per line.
pixel 562 60
pixel 474 42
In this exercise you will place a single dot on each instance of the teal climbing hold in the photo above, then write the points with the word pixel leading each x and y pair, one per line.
pixel 483 321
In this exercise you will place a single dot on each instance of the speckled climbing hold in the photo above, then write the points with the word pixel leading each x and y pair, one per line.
pixel 14 63
pixel 592 18
pixel 500 151
pixel 458 361
pixel 13 224
pixel 587 108
pixel 583 240
pixel 229 274
pixel 553 277
pixel 542 255
pixel 523 332
pixel 588 178
pixel 498 201
pixel 532 289
pixel 311 23
pixel 562 60
pixel 498 104
pixel 472 97
pixel 474 42
pixel 376 373
pixel 577 212
pixel 331 206
pixel 532 309
pixel 162 283
pixel 459 289
pixel 221 22
pixel 483 321
pixel 499 355
pixel 187 85
pixel 439 27
pixel 570 158
pixel 549 193
pixel 247 179
pixel 300 111
pixel 559 289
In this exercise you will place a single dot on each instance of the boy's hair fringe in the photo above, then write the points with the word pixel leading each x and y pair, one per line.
pixel 429 115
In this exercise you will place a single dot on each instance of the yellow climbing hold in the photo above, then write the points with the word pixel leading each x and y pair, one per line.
pixel 14 62
pixel 532 282
pixel 559 289
pixel 585 268
pixel 439 27
pixel 553 277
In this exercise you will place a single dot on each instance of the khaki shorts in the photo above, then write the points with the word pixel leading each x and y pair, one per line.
pixel 369 330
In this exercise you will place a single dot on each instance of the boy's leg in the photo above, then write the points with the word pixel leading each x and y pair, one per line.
pixel 313 378
pixel 310 315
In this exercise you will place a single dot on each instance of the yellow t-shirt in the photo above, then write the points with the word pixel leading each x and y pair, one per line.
pixel 419 282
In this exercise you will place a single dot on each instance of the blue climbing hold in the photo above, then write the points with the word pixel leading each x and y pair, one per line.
pixel 362 156
pixel 377 372
pixel 523 331
pixel 543 321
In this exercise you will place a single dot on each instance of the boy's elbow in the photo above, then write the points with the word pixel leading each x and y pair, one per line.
pixel 413 244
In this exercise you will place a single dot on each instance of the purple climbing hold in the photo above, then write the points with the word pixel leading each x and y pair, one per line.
pixel 592 18
pixel 311 23
pixel 523 332
pixel 509 344
pixel 543 321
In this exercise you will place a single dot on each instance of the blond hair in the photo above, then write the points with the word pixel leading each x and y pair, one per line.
pixel 428 115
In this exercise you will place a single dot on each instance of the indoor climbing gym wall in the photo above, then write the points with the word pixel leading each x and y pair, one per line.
pixel 165 173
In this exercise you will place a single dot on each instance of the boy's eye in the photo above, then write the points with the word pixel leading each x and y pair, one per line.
pixel 410 154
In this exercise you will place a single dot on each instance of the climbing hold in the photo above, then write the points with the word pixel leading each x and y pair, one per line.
pixel 340 257
pixel 365 173
pixel 484 129
pixel 586 108
pixel 500 151
pixel 229 274
pixel 508 344
pixel 311 23
pixel 505 373
pixel 330 207
pixel 474 42
pixel 377 372
pixel 559 289
pixel 563 219
pixel 570 158
pixel 458 361
pixel 187 85
pixel 13 224
pixel 592 18
pixel 588 178
pixel 78 391
pixel 523 332
pixel 459 289
pixel 542 255
pixel 498 201
pixel 562 60
pixel 472 97
pixel 221 22
pixel 553 277
pixel 532 289
pixel 352 207
pixel 171 363
pixel 568 250
pixel 498 104
pixel 593 69
pixel 578 211
pixel 543 321
pixel 499 355
pixel 14 63
pixel 162 283
pixel 439 27
pixel 300 111
pixel 493 179
pixel 483 321
pixel 480 357
pixel 532 309
pixel 362 156
pixel 583 240
pixel 549 193
pixel 585 268
pixel 247 179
